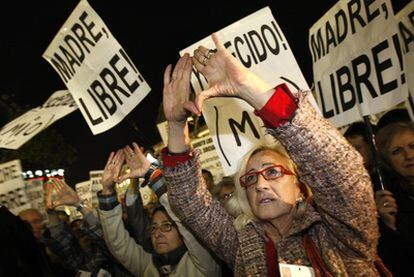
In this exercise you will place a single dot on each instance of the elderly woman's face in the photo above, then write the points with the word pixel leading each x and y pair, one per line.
pixel 270 199
pixel 401 154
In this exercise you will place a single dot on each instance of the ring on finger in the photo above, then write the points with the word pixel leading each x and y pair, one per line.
pixel 386 204
pixel 209 53
pixel 204 61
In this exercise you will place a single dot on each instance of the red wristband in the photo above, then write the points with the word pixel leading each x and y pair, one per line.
pixel 280 108
pixel 171 160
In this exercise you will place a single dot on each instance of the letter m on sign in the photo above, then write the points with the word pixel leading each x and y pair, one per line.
pixel 234 126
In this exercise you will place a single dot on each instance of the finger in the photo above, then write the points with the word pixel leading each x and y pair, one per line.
pixel 391 210
pixel 202 96
pixel 137 149
pixel 188 69
pixel 130 151
pixel 109 161
pixel 198 65
pixel 125 177
pixel 217 42
pixel 127 154
pixel 178 69
pixel 384 192
pixel 191 107
pixel 167 75
pixel 56 204
pixel 119 157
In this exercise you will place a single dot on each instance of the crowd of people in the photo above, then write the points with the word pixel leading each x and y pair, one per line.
pixel 309 204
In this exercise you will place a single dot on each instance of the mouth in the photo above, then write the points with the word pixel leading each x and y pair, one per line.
pixel 266 200
pixel 159 243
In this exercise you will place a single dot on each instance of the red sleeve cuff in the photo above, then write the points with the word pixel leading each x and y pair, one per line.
pixel 171 160
pixel 280 108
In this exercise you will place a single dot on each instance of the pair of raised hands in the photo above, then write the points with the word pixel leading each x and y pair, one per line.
pixel 226 77
pixel 133 157
pixel 65 195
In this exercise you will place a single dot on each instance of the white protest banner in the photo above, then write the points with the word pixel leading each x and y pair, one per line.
pixel 209 158
pixel 405 19
pixel 258 42
pixel 12 190
pixel 84 191
pixel 95 177
pixel 357 66
pixel 35 194
pixel 104 82
pixel 22 129
pixel 163 130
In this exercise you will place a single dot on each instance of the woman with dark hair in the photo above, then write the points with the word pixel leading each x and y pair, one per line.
pixel 395 205
pixel 175 250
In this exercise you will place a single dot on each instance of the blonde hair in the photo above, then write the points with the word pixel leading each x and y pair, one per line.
pixel 385 136
pixel 246 215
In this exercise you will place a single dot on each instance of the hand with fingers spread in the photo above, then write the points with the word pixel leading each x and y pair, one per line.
pixel 65 195
pixel 48 189
pixel 111 171
pixel 228 77
pixel 136 161
pixel 387 207
pixel 176 103
pixel 176 93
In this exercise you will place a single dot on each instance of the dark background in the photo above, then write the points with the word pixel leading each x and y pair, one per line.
pixel 152 33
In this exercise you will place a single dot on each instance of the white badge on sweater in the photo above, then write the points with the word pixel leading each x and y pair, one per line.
pixel 290 270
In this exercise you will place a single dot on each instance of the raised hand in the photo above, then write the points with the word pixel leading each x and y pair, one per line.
pixel 136 161
pixel 111 171
pixel 226 76
pixel 177 90
pixel 65 195
pixel 387 207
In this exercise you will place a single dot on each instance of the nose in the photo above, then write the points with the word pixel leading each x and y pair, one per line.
pixel 262 184
pixel 157 232
pixel 409 153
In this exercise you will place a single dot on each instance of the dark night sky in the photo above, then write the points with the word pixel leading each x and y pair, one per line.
pixel 152 33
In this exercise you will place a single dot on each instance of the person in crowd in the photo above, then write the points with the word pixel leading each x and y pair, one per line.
pixel 223 192
pixel 42 235
pixel 395 205
pixel 35 218
pixel 176 252
pixel 81 245
pixel 208 177
pixel 21 253
pixel 392 116
pixel 280 229
pixel 357 137
pixel 138 219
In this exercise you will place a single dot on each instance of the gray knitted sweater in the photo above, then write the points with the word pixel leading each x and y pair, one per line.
pixel 343 227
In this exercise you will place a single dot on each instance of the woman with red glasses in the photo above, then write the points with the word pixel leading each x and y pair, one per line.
pixel 276 233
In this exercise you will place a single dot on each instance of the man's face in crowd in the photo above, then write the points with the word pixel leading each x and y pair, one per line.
pixel 35 219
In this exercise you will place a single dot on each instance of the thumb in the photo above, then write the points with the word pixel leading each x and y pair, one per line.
pixel 191 107
pixel 56 204
pixel 124 177
pixel 202 96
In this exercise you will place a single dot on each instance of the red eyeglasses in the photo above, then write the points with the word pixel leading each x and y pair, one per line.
pixel 272 172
